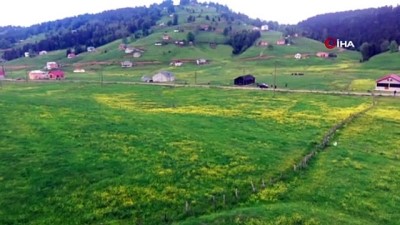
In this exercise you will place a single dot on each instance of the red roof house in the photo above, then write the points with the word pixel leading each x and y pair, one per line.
pixel 389 82
pixel 322 54
pixel 56 75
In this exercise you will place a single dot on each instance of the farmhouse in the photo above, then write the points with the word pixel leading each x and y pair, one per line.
pixel 38 75
pixel 163 77
pixel 129 50
pixel 126 64
pixel 201 61
pixel 204 27
pixel 158 44
pixel 322 54
pixel 43 53
pixel 389 82
pixel 166 37
pixel 71 55
pixel 27 55
pixel 280 42
pixel 51 65
pixel 177 63
pixel 245 80
pixel 91 49
pixel 264 27
pixel 263 43
pixel 56 75
pixel 122 47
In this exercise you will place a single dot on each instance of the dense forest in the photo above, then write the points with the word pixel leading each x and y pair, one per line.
pixel 372 31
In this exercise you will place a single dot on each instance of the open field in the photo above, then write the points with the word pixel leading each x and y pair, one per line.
pixel 355 182
pixel 117 154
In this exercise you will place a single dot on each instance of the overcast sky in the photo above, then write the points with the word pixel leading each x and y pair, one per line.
pixel 28 12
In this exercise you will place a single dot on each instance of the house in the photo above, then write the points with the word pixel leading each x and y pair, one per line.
pixel 204 27
pixel 280 42
pixel 129 50
pixel 2 72
pixel 158 44
pixel 166 37
pixel 389 82
pixel 78 70
pixel 244 80
pixel 176 63
pixel 137 55
pixel 56 75
pixel 122 47
pixel 163 77
pixel 201 61
pixel 51 65
pixel 71 55
pixel 264 28
pixel 43 53
pixel 91 49
pixel 126 64
pixel 322 54
pixel 263 43
pixel 176 31
pixel 38 75
pixel 298 56
pixel 256 28
pixel 26 54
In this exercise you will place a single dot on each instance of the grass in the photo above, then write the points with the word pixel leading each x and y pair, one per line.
pixel 354 182
pixel 82 154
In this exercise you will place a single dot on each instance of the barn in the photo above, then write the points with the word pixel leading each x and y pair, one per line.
pixel 163 77
pixel 245 80
pixel 389 82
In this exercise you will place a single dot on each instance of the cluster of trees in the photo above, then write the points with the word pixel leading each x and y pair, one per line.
pixel 241 41
pixel 82 31
pixel 372 31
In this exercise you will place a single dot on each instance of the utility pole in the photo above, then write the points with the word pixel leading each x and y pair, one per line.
pixel 195 77
pixel 275 78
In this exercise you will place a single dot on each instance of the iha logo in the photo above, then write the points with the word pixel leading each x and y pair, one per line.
pixel 332 43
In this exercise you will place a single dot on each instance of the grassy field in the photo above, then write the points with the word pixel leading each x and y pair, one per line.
pixel 354 182
pixel 85 154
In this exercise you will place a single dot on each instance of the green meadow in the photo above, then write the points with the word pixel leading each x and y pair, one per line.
pixel 355 182
pixel 139 154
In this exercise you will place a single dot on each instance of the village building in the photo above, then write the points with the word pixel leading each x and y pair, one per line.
pixel 322 54
pixel 27 54
pixel 244 80
pixel 264 28
pixel 280 42
pixel 126 64
pixel 163 77
pixel 71 55
pixel 297 56
pixel 177 63
pixel 166 37
pixel 43 53
pixel 201 61
pixel 129 50
pixel 38 75
pixel 51 65
pixel 263 43
pixel 137 54
pixel 91 49
pixel 56 75
pixel 389 82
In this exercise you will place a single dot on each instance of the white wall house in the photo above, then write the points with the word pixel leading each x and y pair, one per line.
pixel 389 82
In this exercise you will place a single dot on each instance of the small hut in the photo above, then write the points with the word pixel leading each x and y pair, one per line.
pixel 245 80
pixel 163 77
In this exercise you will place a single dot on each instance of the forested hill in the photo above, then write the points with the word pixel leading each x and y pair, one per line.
pixel 80 32
pixel 376 26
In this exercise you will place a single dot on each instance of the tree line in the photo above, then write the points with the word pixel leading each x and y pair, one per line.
pixel 372 31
